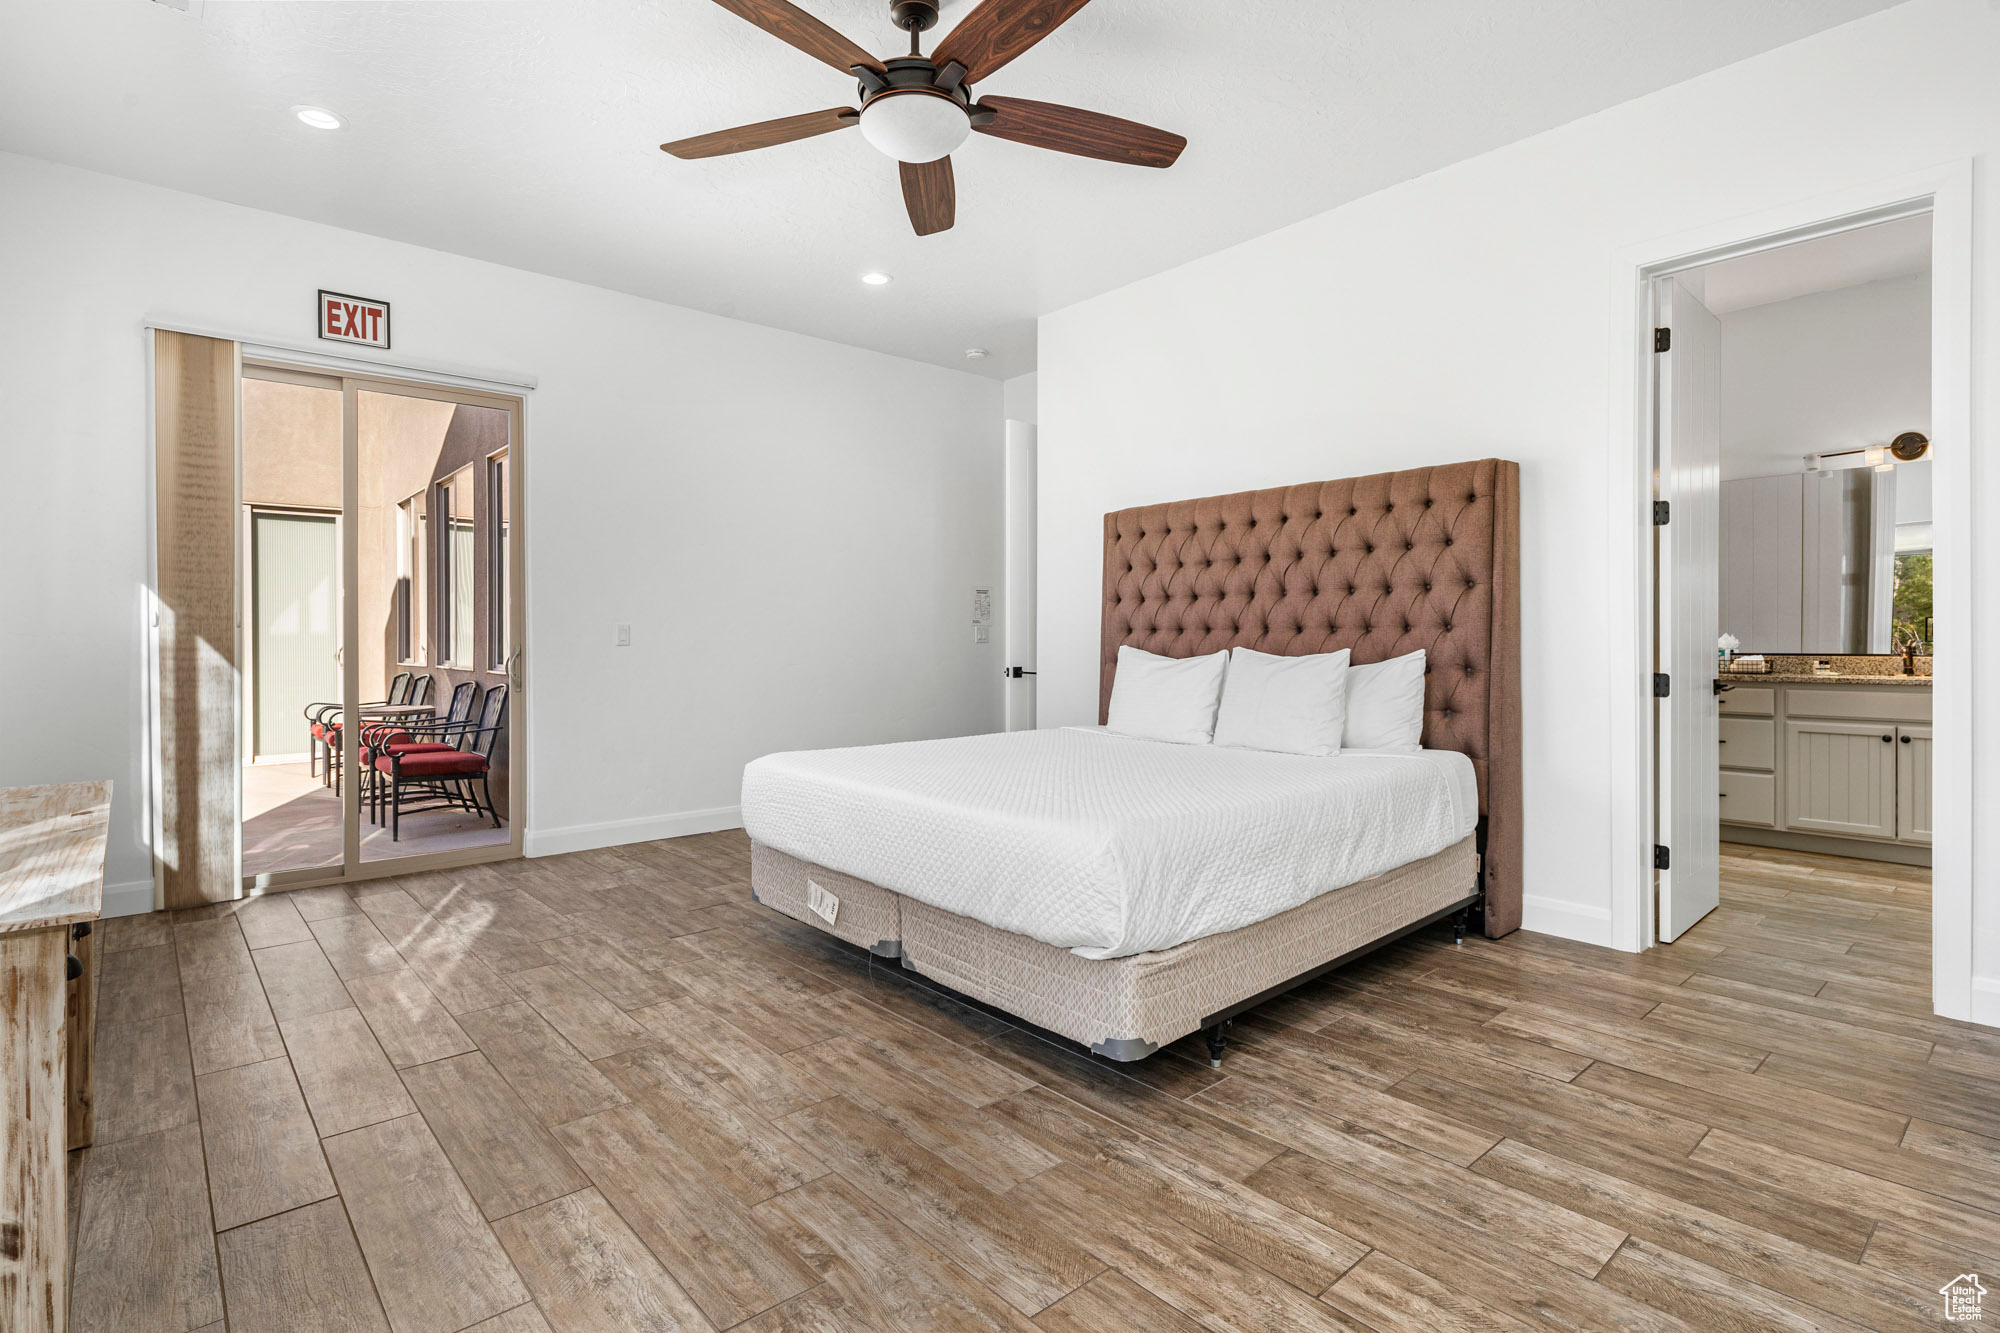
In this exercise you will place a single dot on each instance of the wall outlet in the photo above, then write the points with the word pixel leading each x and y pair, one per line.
pixel 621 636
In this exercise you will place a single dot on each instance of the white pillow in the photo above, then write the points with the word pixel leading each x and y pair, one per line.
pixel 1166 698
pixel 1385 705
pixel 1294 704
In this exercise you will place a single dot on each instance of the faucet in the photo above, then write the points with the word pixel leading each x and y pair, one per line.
pixel 1910 656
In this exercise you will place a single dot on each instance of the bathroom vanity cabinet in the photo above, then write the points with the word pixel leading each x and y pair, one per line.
pixel 1841 765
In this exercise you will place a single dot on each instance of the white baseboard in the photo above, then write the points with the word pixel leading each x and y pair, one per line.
pixel 616 832
pixel 128 899
pixel 1572 921
pixel 1986 1001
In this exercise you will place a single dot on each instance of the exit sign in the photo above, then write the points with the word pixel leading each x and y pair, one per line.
pixel 353 319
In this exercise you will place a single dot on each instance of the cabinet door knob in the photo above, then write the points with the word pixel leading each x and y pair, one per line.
pixel 1906 740
pixel 1887 739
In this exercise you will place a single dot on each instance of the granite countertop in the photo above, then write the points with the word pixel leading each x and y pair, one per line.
pixel 1808 678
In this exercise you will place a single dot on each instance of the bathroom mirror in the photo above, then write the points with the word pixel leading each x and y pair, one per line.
pixel 1828 562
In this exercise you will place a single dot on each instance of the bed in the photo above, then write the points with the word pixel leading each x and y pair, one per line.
pixel 1125 893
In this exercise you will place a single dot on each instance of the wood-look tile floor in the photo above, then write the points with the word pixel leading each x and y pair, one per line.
pixel 607 1091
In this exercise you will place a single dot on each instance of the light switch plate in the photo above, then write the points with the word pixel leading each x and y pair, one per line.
pixel 621 636
pixel 980 634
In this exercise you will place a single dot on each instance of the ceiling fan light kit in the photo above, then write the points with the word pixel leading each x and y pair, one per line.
pixel 919 110
pixel 917 124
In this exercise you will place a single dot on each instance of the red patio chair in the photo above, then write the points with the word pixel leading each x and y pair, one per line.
pixel 437 779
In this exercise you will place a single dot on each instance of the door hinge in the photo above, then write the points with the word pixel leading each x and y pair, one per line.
pixel 1663 340
pixel 1663 685
pixel 1662 858
pixel 1663 513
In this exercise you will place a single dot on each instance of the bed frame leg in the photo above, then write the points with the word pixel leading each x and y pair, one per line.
pixel 1217 1039
pixel 1458 920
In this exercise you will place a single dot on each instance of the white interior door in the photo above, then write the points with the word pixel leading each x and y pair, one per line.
pixel 1690 478
pixel 1019 604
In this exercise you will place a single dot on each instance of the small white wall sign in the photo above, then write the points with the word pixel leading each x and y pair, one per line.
pixel 353 319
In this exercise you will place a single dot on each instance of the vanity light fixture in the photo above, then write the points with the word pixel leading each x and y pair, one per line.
pixel 1908 447
pixel 319 117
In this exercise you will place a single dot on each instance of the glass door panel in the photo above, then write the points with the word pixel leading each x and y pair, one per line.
pixel 290 616
pixel 426 578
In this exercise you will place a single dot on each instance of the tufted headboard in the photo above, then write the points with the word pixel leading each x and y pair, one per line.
pixel 1384 565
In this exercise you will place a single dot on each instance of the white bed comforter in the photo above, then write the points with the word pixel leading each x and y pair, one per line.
pixel 1103 844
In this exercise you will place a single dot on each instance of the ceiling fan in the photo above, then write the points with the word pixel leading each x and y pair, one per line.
pixel 918 109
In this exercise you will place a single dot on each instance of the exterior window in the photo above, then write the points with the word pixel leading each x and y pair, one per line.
pixel 406 555
pixel 500 524
pixel 413 592
pixel 457 561
pixel 1912 601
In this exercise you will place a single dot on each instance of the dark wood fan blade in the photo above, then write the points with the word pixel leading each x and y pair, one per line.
pixel 999 30
pixel 931 195
pixel 764 134
pixel 1085 133
pixel 788 23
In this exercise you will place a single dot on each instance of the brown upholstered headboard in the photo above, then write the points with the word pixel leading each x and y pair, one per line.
pixel 1384 565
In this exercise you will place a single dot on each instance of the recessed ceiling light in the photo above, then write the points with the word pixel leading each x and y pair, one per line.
pixel 318 117
pixel 877 279
pixel 975 354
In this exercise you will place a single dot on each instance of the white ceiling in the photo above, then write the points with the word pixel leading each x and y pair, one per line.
pixel 1900 249
pixel 526 132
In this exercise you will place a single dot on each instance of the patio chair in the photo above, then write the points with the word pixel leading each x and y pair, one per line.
pixel 436 779
pixel 417 693
pixel 321 716
pixel 409 736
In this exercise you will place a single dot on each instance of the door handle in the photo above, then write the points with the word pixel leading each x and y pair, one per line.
pixel 1720 687
pixel 514 670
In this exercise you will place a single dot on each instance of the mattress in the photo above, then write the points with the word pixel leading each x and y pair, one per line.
pixel 1127 1008
pixel 1103 844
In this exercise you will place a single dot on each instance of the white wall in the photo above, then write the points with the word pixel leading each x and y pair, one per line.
pixel 1020 397
pixel 1470 313
pixel 793 528
pixel 1824 373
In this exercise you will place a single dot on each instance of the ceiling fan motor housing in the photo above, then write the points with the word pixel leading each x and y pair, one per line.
pixel 911 74
pixel 914 15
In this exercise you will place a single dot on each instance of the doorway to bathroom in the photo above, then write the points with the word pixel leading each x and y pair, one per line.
pixel 1804 442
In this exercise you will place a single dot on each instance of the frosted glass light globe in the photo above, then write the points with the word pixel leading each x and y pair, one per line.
pixel 915 126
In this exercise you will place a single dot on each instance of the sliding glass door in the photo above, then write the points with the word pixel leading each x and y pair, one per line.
pixel 381 612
